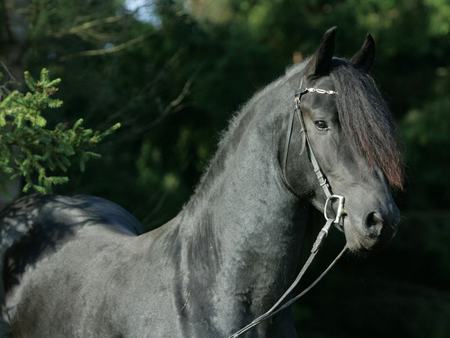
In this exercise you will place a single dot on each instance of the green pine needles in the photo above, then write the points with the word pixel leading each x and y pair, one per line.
pixel 29 149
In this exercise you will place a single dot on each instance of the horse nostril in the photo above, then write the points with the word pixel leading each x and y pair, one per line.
pixel 374 219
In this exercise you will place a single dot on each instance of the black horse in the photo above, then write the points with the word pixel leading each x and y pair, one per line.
pixel 80 267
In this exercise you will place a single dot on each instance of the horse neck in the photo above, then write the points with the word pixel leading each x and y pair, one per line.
pixel 239 233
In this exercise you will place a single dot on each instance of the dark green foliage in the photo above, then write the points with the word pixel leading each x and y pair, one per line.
pixel 29 149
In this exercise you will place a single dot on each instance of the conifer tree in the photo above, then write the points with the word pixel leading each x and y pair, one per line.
pixel 30 148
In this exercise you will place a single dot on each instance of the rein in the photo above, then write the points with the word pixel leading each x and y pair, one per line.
pixel 278 306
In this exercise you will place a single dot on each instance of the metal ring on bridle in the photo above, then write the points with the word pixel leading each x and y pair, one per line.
pixel 340 208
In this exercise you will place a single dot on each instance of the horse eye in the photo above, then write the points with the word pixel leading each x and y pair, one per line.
pixel 321 125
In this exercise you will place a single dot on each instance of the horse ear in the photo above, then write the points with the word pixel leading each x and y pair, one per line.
pixel 363 59
pixel 320 63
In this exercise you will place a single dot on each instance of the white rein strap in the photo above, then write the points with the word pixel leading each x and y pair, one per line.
pixel 278 306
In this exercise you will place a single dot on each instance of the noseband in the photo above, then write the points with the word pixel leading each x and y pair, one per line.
pixel 330 199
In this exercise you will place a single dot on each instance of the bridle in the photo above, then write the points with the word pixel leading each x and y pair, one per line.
pixel 330 198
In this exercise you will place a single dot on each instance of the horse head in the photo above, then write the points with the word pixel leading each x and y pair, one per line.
pixel 351 133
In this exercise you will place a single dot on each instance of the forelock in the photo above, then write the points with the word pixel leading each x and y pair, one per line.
pixel 366 120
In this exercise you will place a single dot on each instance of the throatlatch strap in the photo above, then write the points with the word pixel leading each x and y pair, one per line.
pixel 286 153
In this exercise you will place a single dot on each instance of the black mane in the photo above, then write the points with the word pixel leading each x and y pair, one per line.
pixel 366 120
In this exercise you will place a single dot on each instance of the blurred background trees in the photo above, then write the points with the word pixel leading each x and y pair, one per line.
pixel 173 72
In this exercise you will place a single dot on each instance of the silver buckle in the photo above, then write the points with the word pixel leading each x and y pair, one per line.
pixel 340 208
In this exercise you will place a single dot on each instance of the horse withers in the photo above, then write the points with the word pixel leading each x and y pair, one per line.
pixel 80 266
